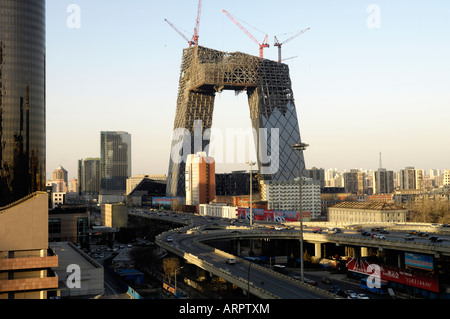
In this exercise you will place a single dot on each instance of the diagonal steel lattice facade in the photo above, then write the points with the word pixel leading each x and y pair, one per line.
pixel 204 72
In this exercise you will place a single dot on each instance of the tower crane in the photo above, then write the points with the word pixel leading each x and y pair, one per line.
pixel 194 40
pixel 190 42
pixel 197 23
pixel 262 45
pixel 278 44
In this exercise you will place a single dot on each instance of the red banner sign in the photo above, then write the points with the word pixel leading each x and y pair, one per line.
pixel 395 274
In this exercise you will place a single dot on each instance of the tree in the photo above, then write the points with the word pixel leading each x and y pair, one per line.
pixel 169 266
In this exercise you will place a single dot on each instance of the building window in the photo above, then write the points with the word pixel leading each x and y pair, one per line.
pixel 54 225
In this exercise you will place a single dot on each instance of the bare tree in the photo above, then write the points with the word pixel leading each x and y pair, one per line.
pixel 169 265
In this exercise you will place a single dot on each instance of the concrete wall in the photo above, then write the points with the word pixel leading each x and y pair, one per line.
pixel 24 224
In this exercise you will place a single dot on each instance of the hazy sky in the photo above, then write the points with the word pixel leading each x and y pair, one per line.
pixel 369 77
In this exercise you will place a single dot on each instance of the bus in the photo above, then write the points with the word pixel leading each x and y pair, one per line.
pixel 382 290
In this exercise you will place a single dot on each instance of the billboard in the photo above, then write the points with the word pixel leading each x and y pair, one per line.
pixel 389 273
pixel 272 215
pixel 166 201
pixel 419 261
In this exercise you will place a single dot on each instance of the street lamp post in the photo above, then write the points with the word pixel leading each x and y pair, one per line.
pixel 251 163
pixel 301 147
pixel 176 278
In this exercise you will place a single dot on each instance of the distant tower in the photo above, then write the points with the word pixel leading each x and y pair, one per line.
pixel 115 165
pixel 380 165
pixel 60 173
pixel 22 99
pixel 89 175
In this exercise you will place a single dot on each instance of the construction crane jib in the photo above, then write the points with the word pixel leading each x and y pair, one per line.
pixel 278 44
pixel 262 45
pixel 194 40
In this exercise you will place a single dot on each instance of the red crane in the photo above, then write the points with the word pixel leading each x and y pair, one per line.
pixel 197 23
pixel 262 45
pixel 278 44
pixel 194 40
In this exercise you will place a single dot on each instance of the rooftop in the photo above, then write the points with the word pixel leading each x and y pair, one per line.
pixel 373 205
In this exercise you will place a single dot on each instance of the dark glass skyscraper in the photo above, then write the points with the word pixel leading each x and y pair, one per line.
pixel 22 98
pixel 115 161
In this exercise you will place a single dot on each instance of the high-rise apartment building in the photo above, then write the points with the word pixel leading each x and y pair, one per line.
pixel 22 99
pixel 407 178
pixel 115 166
pixel 446 177
pixel 89 175
pixel 317 174
pixel 354 181
pixel 200 179
pixel 383 181
pixel 286 195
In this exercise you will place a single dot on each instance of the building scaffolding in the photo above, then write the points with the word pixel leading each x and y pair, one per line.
pixel 205 72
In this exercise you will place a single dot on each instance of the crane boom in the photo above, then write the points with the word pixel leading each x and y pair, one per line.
pixel 262 45
pixel 278 44
pixel 197 23
pixel 180 33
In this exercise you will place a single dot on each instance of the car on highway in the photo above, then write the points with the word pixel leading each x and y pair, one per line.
pixel 169 239
pixel 230 261
pixel 435 239
pixel 278 228
pixel 326 280
pixel 310 281
pixel 362 296
pixel 409 237
pixel 379 236
pixel 350 294
pixel 281 269
pixel 317 230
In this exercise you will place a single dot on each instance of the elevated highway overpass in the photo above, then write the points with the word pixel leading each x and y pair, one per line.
pixel 188 242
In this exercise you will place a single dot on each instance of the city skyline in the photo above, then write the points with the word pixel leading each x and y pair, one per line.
pixel 366 78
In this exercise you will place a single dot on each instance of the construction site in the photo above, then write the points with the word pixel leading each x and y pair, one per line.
pixel 205 72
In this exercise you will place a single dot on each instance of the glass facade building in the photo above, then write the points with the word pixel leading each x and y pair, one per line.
pixel 89 175
pixel 22 98
pixel 115 166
